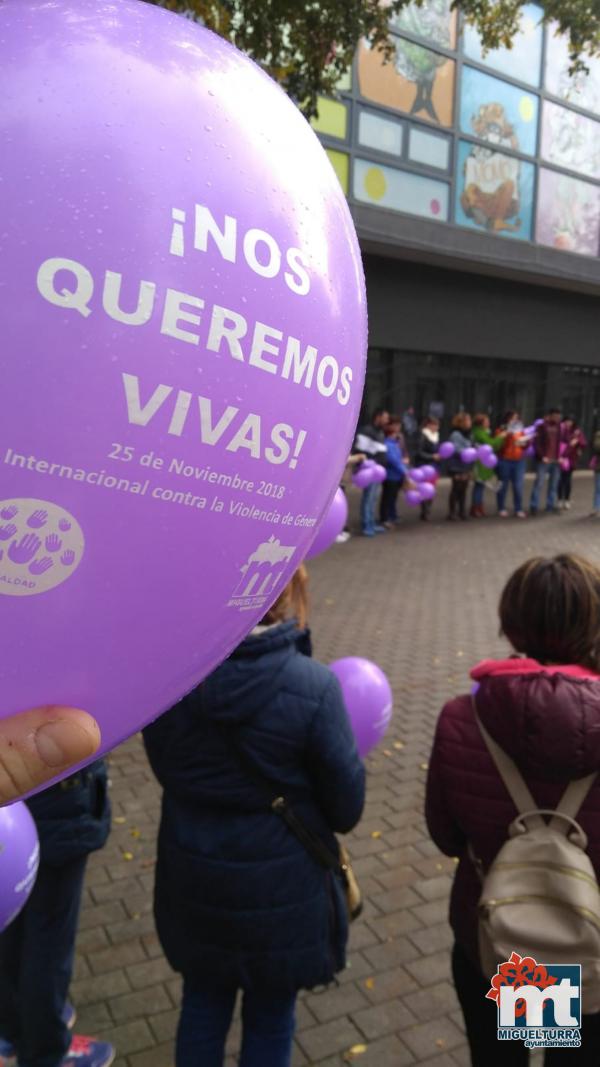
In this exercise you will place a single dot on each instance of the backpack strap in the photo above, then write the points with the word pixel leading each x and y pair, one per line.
pixel 570 802
pixel 509 773
pixel 572 799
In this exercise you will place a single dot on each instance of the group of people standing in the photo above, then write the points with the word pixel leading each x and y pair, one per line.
pixel 555 444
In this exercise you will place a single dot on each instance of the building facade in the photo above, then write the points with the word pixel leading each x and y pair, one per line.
pixel 474 182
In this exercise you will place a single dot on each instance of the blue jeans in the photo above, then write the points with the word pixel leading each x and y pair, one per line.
pixel 597 490
pixel 36 961
pixel 477 497
pixel 367 507
pixel 552 472
pixel 511 472
pixel 268 1022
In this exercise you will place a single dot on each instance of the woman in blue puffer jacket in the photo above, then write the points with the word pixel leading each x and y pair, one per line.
pixel 239 902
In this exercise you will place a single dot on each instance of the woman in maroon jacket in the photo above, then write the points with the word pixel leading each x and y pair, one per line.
pixel 544 711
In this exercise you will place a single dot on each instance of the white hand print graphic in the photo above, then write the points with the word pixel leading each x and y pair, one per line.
pixel 43 546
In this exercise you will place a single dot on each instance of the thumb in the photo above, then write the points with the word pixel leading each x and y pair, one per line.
pixel 41 744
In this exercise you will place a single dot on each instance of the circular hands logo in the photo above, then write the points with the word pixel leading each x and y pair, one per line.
pixel 41 545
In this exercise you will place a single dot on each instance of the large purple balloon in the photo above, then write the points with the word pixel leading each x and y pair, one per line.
pixel 490 461
pixel 19 858
pixel 483 451
pixel 368 698
pixel 429 473
pixel 183 348
pixel 446 450
pixel 378 473
pixel 332 525
pixel 416 474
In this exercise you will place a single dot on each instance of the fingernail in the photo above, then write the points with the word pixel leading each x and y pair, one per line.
pixel 54 743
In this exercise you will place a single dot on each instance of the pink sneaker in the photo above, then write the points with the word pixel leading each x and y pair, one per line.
pixel 87 1052
pixel 504 514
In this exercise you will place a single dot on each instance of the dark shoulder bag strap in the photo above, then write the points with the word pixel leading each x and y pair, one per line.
pixel 279 805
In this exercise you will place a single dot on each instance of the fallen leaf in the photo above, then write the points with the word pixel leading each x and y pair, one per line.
pixel 119 819
pixel 424 766
pixel 438 867
pixel 460 653
pixel 440 1043
pixel 376 833
pixel 370 983
pixel 352 1053
pixel 135 833
pixel 387 751
pixel 398 744
pixel 136 915
pixel 127 855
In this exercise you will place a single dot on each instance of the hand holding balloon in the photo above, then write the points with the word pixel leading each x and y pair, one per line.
pixel 41 744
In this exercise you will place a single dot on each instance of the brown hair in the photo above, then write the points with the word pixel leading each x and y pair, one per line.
pixel 293 602
pixel 550 610
pixel 461 421
pixel 480 420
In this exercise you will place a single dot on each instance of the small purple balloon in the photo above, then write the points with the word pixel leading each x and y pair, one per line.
pixel 416 474
pixel 429 473
pixel 483 451
pixel 363 477
pixel 19 859
pixel 489 461
pixel 413 498
pixel 333 523
pixel 426 491
pixel 378 473
pixel 468 455
pixel 530 452
pixel 368 699
pixel 446 450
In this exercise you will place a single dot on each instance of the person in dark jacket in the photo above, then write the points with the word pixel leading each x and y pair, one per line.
pixel 459 471
pixel 396 472
pixel 370 441
pixel 547 455
pixel 37 949
pixel 427 454
pixel 543 709
pixel 239 902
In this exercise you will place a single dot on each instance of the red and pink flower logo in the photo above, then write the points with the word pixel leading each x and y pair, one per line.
pixel 519 971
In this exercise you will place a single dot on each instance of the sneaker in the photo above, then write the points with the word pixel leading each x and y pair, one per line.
pixel 8 1051
pixel 368 533
pixel 521 515
pixel 503 514
pixel 342 537
pixel 567 505
pixel 380 529
pixel 87 1052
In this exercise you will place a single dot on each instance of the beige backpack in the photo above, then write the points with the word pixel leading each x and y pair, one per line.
pixel 540 896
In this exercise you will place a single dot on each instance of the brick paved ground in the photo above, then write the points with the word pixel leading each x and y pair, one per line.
pixel 421 602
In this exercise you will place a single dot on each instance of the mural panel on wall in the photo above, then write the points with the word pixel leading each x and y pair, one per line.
pixel 497 112
pixel 417 81
pixel 568 213
pixel 494 192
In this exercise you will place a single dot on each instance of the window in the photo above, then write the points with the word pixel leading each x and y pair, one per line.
pixel 384 134
pixel 568 213
pixel 340 164
pixel 571 140
pixel 331 118
pixel 428 148
pixel 433 20
pixel 417 81
pixel 494 192
pixel 580 89
pixel 497 112
pixel 523 60
pixel 396 189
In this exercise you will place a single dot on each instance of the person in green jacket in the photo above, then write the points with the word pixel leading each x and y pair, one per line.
pixel 481 435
